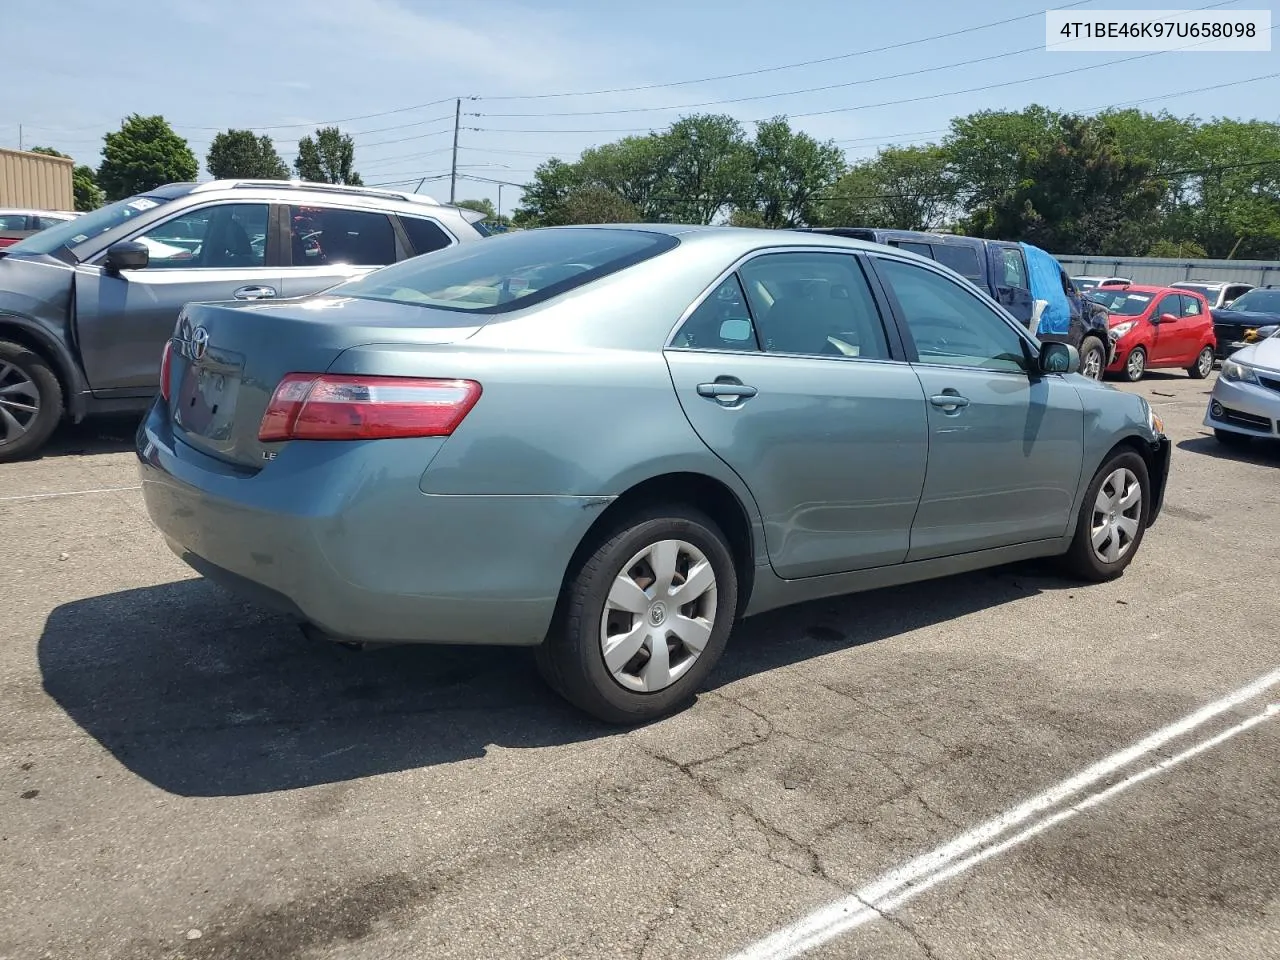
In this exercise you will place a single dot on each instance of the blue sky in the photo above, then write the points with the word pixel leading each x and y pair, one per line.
pixel 285 66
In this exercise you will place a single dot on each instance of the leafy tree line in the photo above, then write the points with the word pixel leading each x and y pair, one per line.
pixel 1117 183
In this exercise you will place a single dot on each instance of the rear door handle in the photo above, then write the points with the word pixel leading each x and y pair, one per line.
pixel 949 401
pixel 727 391
pixel 254 292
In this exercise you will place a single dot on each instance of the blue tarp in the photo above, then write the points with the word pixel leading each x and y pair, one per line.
pixel 1046 284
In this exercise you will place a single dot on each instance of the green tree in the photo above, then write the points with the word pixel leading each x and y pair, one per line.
pixel 544 197
pixel 1236 185
pixel 791 171
pixel 235 154
pixel 902 188
pixel 596 204
pixel 328 157
pixel 1079 195
pixel 84 185
pixel 710 168
pixel 987 150
pixel 144 153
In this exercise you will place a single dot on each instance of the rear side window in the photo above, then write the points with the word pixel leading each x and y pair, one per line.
pixel 425 235
pixel 963 260
pixel 1015 270
pixel 13 221
pixel 1190 306
pixel 720 322
pixel 320 236
pixel 923 249
pixel 511 271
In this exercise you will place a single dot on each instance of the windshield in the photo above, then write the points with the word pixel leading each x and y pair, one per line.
pixel 1258 301
pixel 510 271
pixel 86 226
pixel 1121 302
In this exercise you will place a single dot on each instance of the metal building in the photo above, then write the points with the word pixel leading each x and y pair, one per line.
pixel 1156 270
pixel 35 181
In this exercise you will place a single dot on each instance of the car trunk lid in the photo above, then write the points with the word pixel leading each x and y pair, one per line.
pixel 226 360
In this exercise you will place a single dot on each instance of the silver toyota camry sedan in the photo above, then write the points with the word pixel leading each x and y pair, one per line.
pixel 613 442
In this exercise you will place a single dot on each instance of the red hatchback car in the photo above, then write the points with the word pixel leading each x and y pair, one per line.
pixel 1157 327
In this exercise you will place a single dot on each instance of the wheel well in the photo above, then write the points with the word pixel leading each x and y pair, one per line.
pixel 19 335
pixel 1136 445
pixel 696 490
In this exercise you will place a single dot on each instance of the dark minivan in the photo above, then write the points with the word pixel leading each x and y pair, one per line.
pixel 1001 269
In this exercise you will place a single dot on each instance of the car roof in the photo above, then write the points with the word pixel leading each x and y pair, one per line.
pixel 1151 288
pixel 744 239
pixel 304 191
pixel 37 212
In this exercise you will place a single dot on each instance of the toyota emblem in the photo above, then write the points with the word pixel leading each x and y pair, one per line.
pixel 199 343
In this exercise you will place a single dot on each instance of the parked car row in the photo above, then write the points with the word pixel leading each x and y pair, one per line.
pixel 16 225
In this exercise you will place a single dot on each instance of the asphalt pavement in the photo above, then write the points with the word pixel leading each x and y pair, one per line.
pixel 185 776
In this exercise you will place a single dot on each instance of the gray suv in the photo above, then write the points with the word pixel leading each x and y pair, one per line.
pixel 86 306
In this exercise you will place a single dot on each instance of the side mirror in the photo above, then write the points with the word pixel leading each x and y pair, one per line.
pixel 126 255
pixel 1059 358
pixel 1167 318
pixel 735 330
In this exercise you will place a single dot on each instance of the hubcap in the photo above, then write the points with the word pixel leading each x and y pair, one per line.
pixel 1117 514
pixel 658 617
pixel 1206 362
pixel 19 402
pixel 1093 364
pixel 1136 363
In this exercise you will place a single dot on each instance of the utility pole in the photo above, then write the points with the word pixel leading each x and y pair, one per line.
pixel 19 138
pixel 499 201
pixel 453 175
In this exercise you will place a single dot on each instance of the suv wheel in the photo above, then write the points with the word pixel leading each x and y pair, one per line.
pixel 30 401
pixel 1093 358
pixel 644 619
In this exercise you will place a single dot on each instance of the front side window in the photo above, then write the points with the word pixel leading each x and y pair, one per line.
pixel 721 322
pixel 1170 303
pixel 511 271
pixel 324 236
pixel 224 236
pixel 1015 270
pixel 949 325
pixel 813 304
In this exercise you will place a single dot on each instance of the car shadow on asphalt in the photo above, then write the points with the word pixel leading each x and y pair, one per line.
pixel 112 434
pixel 1262 452
pixel 202 695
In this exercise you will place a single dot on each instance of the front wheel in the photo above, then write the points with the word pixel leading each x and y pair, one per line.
pixel 644 619
pixel 1203 365
pixel 30 401
pixel 1093 358
pixel 1136 365
pixel 1112 520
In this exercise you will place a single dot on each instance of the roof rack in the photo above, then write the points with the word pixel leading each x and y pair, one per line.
pixel 315 187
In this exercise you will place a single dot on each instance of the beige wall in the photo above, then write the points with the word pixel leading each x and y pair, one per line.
pixel 35 180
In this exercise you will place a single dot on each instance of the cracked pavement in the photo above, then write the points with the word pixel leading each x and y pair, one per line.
pixel 185 776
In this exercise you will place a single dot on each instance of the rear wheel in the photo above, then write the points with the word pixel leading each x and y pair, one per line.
pixel 1229 438
pixel 30 401
pixel 1136 365
pixel 644 619
pixel 1093 358
pixel 1203 365
pixel 1113 518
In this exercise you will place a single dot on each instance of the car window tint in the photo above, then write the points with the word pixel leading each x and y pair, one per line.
pixel 1015 270
pixel 1235 292
pixel 1169 303
pixel 921 248
pixel 721 322
pixel 44 223
pixel 949 324
pixel 223 236
pixel 963 260
pixel 13 221
pixel 814 304
pixel 320 236
pixel 1190 306
pixel 425 235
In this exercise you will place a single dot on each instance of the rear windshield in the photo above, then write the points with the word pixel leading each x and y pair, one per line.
pixel 1120 302
pixel 86 226
pixel 508 272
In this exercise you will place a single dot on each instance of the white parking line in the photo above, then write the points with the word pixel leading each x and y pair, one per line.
pixel 895 888
pixel 69 493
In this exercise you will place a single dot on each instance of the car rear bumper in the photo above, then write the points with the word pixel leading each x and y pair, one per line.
pixel 1245 408
pixel 340 535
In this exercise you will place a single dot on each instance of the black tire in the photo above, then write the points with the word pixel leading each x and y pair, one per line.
pixel 1229 438
pixel 1135 365
pixel 1081 560
pixel 1088 346
pixel 1202 367
pixel 571 659
pixel 22 434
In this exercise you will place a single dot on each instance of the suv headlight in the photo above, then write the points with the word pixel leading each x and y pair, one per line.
pixel 1120 329
pixel 1237 372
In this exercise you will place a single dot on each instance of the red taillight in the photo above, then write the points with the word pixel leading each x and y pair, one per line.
pixel 166 362
pixel 316 406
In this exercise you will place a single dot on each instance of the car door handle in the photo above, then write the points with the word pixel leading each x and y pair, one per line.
pixel 949 401
pixel 726 390
pixel 254 292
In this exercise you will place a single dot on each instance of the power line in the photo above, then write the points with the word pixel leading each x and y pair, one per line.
pixel 790 66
